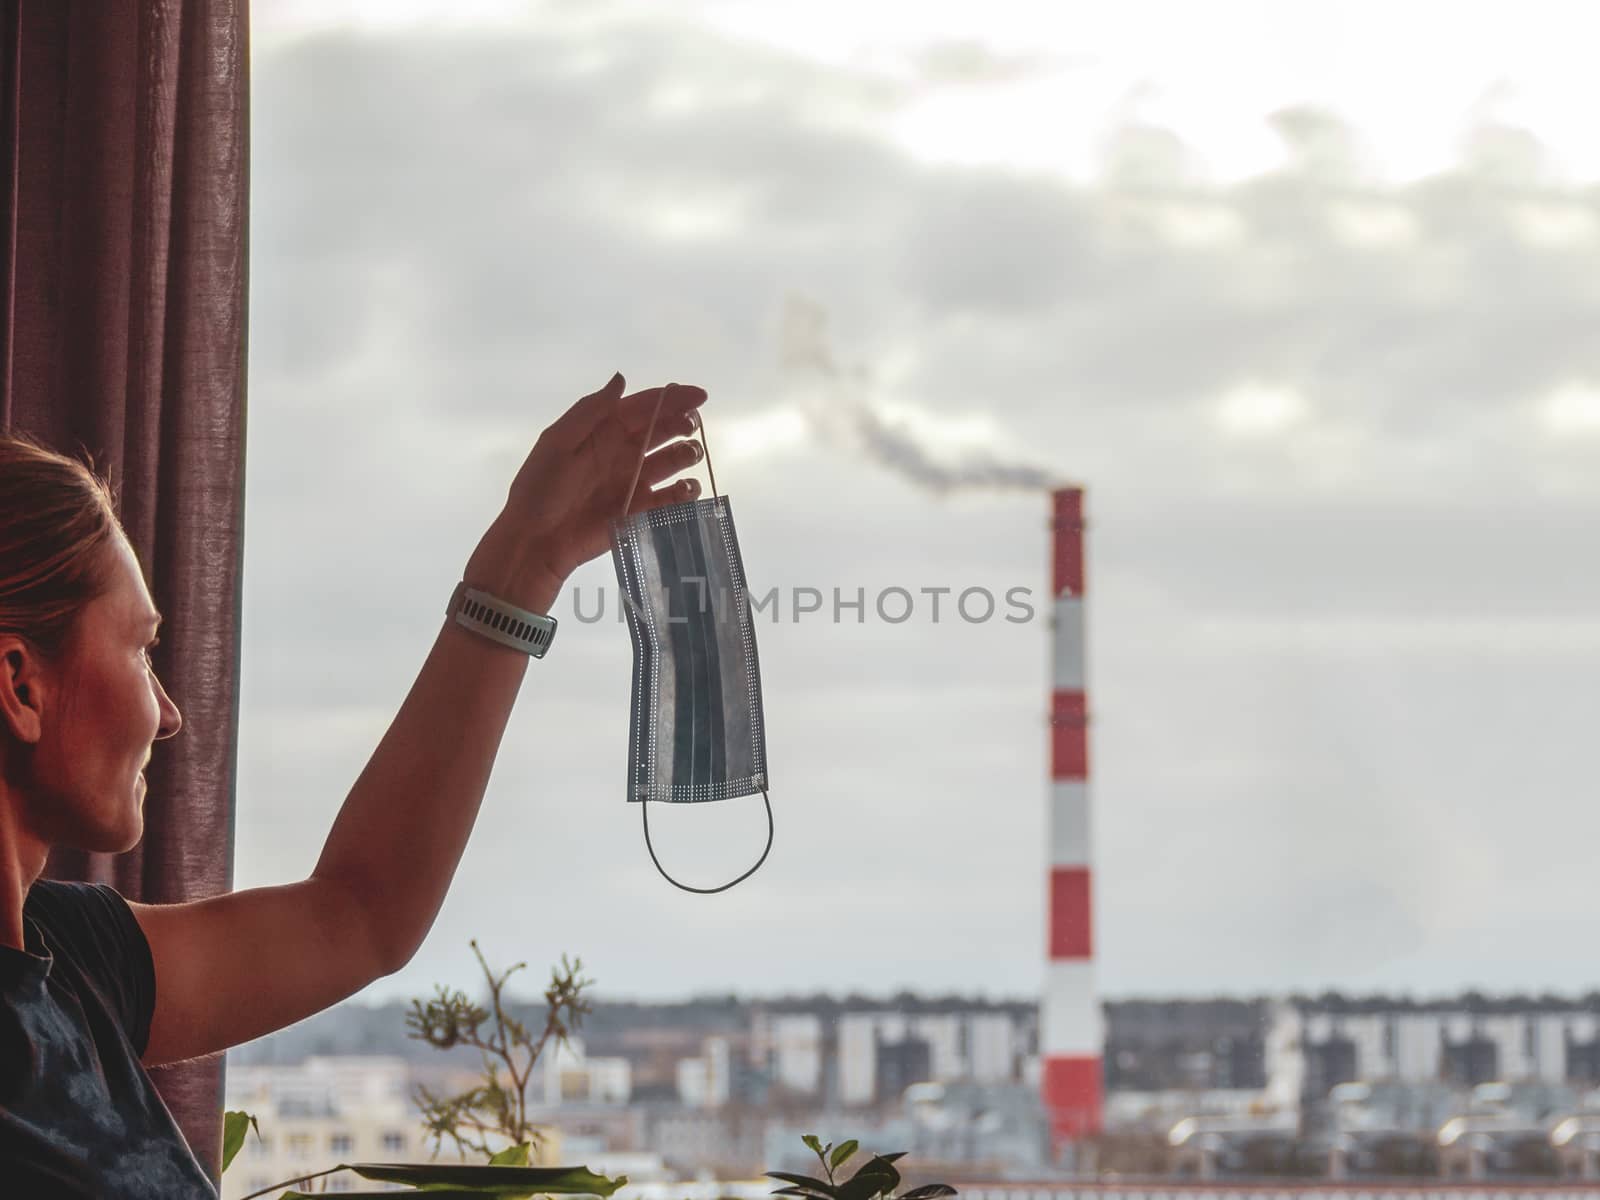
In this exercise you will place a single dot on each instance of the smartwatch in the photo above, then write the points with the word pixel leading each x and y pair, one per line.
pixel 493 618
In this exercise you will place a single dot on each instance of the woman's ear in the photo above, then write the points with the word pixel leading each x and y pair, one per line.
pixel 20 689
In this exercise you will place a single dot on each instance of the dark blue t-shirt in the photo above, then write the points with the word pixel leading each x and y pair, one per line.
pixel 79 1116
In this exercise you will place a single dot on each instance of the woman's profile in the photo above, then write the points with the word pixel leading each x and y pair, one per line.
pixel 94 988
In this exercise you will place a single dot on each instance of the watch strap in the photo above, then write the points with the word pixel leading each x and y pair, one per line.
pixel 495 619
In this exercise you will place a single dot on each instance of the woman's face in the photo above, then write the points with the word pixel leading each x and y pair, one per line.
pixel 88 780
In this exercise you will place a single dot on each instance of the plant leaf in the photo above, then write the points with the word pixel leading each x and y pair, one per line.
pixel 881 1166
pixel 491 1180
pixel 512 1156
pixel 820 1187
pixel 889 1158
pixel 874 1179
pixel 801 1190
pixel 813 1141
pixel 865 1185
pixel 234 1126
pixel 845 1150
pixel 932 1191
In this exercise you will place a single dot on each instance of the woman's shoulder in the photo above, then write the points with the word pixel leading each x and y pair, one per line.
pixel 88 921
pixel 58 897
pixel 97 944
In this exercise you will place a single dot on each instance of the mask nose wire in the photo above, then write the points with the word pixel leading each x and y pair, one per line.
pixel 638 468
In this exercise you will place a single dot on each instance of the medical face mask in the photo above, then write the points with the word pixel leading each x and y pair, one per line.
pixel 695 727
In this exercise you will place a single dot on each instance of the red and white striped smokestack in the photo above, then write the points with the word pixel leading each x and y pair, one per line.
pixel 1071 1033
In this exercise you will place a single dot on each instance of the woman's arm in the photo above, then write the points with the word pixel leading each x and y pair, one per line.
pixel 237 966
pixel 396 842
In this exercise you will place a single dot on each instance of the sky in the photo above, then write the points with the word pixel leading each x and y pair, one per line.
pixel 1304 297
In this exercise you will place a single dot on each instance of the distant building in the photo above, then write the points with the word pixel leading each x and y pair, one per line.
pixel 1296 1051
pixel 793 1046
pixel 859 1056
pixel 572 1076
pixel 706 1081
pixel 1208 1045
pixel 1464 1043
pixel 694 1142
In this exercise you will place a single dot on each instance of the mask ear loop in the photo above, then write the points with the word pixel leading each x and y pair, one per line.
pixel 644 805
pixel 638 467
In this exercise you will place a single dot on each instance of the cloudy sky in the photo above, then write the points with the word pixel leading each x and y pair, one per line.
pixel 1306 297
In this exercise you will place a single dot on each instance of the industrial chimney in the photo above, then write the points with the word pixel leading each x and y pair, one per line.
pixel 1071 1032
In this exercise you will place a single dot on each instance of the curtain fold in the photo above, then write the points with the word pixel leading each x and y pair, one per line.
pixel 123 225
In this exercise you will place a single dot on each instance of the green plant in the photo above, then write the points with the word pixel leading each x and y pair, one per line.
pixel 234 1127
pixel 875 1178
pixel 507 1176
pixel 497 1107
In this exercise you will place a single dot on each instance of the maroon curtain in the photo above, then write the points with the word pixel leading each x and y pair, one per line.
pixel 123 334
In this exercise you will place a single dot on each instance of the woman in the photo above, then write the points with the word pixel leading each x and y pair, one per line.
pixel 93 988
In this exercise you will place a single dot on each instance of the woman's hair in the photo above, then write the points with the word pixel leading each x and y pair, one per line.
pixel 56 518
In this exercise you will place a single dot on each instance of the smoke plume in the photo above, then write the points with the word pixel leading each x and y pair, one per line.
pixel 838 411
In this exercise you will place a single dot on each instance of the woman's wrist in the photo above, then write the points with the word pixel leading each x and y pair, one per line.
pixel 515 570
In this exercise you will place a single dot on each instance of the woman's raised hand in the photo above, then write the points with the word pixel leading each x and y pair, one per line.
pixel 576 480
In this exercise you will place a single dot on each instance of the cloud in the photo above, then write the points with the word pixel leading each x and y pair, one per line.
pixel 969 62
pixel 1305 758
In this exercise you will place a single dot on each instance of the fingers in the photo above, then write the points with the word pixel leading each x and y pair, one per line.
pixel 679 425
pixel 668 461
pixel 671 408
pixel 579 421
pixel 678 402
pixel 661 465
